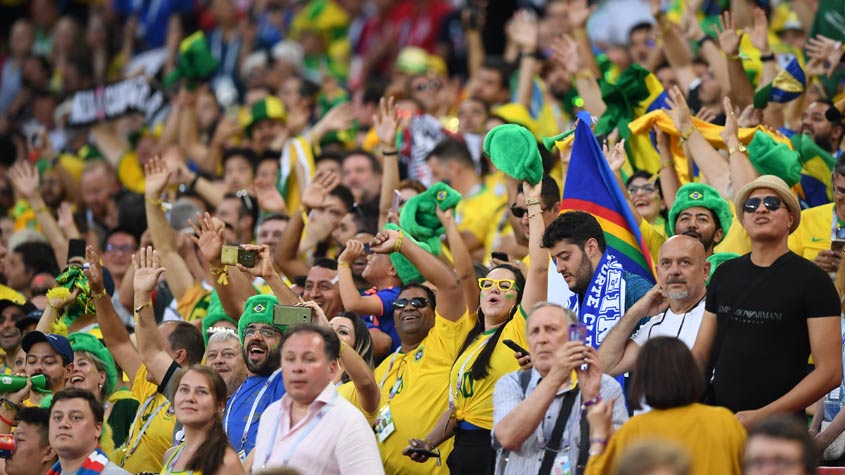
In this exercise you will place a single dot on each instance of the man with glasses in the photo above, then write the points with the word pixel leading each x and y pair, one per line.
pixel 120 244
pixel 766 312
pixel 415 378
pixel 780 445
pixel 823 226
pixel 261 340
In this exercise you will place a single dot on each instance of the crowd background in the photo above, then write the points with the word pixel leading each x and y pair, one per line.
pixel 358 149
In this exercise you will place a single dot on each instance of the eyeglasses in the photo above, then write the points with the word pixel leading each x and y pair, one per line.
pixel 772 203
pixel 781 463
pixel 266 332
pixel 648 188
pixel 520 212
pixel 504 285
pixel 424 86
pixel 416 302
pixel 125 248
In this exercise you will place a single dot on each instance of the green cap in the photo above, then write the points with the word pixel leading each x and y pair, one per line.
pixel 80 341
pixel 513 149
pixel 215 314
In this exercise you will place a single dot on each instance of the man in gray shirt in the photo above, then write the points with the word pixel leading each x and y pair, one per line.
pixel 527 405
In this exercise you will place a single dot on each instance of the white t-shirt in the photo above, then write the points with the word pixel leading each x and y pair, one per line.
pixel 683 326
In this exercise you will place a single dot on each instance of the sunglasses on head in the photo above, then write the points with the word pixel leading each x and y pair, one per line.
pixel 416 302
pixel 772 203
pixel 504 285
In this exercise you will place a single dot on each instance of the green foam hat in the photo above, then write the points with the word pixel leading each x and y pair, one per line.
pixel 268 108
pixel 513 149
pixel 80 341
pixel 770 157
pixel 258 309
pixel 418 218
pixel 698 194
pixel 215 314
pixel 406 271
pixel 195 62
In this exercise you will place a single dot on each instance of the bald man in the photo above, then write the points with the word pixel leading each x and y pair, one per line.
pixel 682 270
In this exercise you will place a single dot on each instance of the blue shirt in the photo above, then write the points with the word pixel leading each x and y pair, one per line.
pixel 240 406
pixel 153 17
pixel 384 322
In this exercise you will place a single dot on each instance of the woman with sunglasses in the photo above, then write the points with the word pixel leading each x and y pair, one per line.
pixel 483 358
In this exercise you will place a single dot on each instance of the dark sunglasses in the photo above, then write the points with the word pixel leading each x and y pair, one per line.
pixel 772 203
pixel 520 212
pixel 416 302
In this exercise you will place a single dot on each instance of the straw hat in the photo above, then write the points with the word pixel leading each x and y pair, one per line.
pixel 778 186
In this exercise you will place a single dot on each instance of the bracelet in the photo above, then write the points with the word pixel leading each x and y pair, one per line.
pixel 152 201
pixel 39 209
pixel 583 75
pixel 143 306
pixel 685 135
pixel 390 153
pixel 704 40
pixel 342 264
pixel 532 201
pixel 398 245
pixel 733 56
pixel 7 421
pixel 535 214
pixel 666 165
pixel 99 295
pixel 767 57
pixel 223 277
pixel 193 182
pixel 591 402
pixel 598 440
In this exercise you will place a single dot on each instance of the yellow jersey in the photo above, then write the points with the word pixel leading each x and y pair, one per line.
pixel 814 232
pixel 479 214
pixel 419 381
pixel 151 433
pixel 473 399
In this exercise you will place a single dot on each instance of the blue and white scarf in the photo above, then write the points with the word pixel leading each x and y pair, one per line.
pixel 603 303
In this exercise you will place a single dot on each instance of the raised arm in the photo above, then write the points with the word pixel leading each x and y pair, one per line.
pixel 461 258
pixel 264 268
pixel 742 171
pixel 729 39
pixel 179 277
pixel 386 125
pixel 25 180
pixel 352 299
pixel 449 293
pixel 523 31
pixel 150 342
pixel 537 280
pixel 114 332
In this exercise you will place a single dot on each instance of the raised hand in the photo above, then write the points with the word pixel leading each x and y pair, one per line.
pixel 66 222
pixel 729 38
pixel 268 196
pixel 156 177
pixel 705 115
pixel 730 133
pixel 577 13
pixel 616 156
pixel 750 117
pixel 445 216
pixel 679 110
pixel 589 376
pixel 565 53
pixel 758 33
pixel 319 316
pixel 339 117
pixel 523 29
pixel 147 270
pixel 826 51
pixel 208 238
pixel 322 184
pixel 384 242
pixel 24 178
pixel 263 261
pixel 94 272
pixel 353 250
pixel 386 122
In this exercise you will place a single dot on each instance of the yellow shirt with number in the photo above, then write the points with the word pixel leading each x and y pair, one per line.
pixel 154 442
pixel 421 398
pixel 474 398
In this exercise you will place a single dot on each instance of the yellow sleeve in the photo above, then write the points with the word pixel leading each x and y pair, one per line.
pixel 306 162
pixel 736 241
pixel 653 239
pixel 187 305
pixel 348 392
pixel 130 173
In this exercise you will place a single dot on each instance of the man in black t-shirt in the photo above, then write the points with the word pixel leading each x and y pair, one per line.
pixel 766 312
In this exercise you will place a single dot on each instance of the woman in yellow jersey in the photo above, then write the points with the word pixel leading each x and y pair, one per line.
pixel 199 400
pixel 481 361
pixel 646 196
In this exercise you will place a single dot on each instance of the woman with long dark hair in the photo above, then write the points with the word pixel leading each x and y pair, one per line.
pixel 199 401
pixel 668 380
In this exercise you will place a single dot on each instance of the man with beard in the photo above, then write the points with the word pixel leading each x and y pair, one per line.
pixel 681 273
pixel 261 340
pixel 576 242
pixel 813 239
pixel 824 122
pixel 10 335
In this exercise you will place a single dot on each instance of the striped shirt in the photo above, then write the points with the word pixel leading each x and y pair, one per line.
pixel 508 394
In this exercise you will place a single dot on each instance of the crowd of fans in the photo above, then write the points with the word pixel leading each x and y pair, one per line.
pixel 343 237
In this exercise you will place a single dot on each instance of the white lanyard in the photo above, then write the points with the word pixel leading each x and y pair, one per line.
pixel 302 435
pixel 251 411
pixel 452 391
pixel 384 376
pixel 146 425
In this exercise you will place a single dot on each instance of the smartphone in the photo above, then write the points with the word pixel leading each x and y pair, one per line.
pixel 76 251
pixel 578 332
pixel 367 249
pixel 290 315
pixel 837 245
pixel 427 453
pixel 516 348
pixel 499 256
pixel 394 205
pixel 231 255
